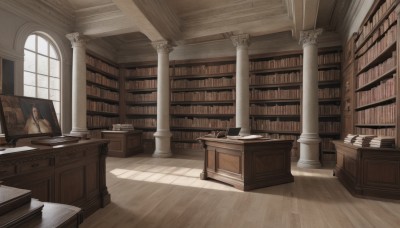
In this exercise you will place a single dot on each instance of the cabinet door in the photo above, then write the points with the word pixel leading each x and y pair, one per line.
pixel 70 184
pixel 40 183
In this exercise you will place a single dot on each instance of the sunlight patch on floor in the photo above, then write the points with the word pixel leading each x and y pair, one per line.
pixel 170 175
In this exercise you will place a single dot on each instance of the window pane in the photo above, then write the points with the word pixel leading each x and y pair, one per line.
pixel 29 91
pixel 43 46
pixel 43 93
pixel 29 78
pixel 54 83
pixel 54 68
pixel 56 106
pixel 43 65
pixel 30 43
pixel 53 53
pixel 43 81
pixel 54 95
pixel 29 61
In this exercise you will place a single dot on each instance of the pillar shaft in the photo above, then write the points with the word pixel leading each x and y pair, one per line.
pixel 242 83
pixel 163 134
pixel 309 138
pixel 79 125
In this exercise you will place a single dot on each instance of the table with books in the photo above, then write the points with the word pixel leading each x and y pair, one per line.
pixel 368 165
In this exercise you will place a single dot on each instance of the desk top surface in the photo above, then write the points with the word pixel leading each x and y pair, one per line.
pixel 250 141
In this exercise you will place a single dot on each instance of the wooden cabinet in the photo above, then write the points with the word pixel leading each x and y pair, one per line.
pixel 103 96
pixel 247 164
pixel 123 143
pixel 71 174
pixel 369 171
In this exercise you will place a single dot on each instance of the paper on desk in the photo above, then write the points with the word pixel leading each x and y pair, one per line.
pixel 17 149
pixel 246 137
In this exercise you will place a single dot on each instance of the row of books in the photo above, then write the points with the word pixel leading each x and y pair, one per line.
pixel 329 127
pixel 187 135
pixel 144 122
pixel 141 84
pixel 101 79
pixel 148 134
pixel 144 71
pixel 101 121
pixel 102 93
pixel 276 93
pixel 275 109
pixel 329 109
pixel 329 58
pixel 148 109
pixel 203 109
pixel 328 75
pixel 370 141
pixel 385 89
pixel 326 144
pixel 208 82
pixel 96 106
pixel 271 125
pixel 141 97
pixel 203 96
pixel 99 64
pixel 385 114
pixel 276 78
pixel 376 18
pixel 327 93
pixel 377 71
pixel 390 131
pixel 386 24
pixel 277 63
pixel 202 122
pixel 204 69
pixel 380 46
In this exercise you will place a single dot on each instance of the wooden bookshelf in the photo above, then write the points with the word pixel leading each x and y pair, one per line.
pixel 202 100
pixel 103 94
pixel 375 87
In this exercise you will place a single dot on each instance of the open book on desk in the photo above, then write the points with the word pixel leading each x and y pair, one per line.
pixel 246 137
pixel 216 134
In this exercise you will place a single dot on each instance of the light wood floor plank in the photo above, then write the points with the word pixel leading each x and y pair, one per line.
pixel 153 192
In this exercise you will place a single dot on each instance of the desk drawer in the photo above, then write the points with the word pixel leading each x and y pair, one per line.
pixel 7 170
pixel 30 166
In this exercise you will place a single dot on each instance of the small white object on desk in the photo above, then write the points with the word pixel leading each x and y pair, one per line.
pixel 246 137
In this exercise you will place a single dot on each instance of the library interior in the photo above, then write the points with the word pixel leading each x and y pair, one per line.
pixel 228 113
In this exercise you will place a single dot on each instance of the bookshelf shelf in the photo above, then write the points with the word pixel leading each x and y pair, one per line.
pixel 276 70
pixel 203 89
pixel 129 78
pixel 89 112
pixel 104 73
pixel 202 102
pixel 141 90
pixel 199 76
pixel 384 54
pixel 376 125
pixel 102 86
pixel 380 102
pixel 102 99
pixel 205 115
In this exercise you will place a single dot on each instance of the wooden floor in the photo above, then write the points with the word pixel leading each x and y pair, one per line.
pixel 159 192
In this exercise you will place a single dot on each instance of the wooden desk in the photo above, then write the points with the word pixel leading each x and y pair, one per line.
pixel 368 171
pixel 247 164
pixel 71 174
pixel 123 143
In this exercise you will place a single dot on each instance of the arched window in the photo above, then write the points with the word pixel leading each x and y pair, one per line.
pixel 42 70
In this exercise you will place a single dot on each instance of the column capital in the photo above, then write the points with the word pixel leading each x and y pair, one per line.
pixel 77 39
pixel 162 46
pixel 309 37
pixel 241 40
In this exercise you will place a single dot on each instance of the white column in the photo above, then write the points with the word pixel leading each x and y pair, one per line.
pixel 78 42
pixel 163 134
pixel 242 43
pixel 309 138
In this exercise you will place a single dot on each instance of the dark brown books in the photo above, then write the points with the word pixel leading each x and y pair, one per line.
pixel 11 198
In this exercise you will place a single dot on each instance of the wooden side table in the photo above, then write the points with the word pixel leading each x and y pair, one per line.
pixel 123 143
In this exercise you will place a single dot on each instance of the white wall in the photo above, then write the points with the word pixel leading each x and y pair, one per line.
pixel 15 29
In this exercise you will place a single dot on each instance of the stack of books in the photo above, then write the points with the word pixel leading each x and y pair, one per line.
pixel 382 142
pixel 363 140
pixel 350 138
pixel 123 127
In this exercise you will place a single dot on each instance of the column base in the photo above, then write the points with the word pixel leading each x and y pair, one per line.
pixel 309 151
pixel 163 144
pixel 244 132
pixel 80 132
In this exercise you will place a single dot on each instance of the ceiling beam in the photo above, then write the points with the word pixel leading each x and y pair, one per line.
pixel 305 13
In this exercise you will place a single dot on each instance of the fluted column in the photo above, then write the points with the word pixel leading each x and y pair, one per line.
pixel 242 43
pixel 309 138
pixel 163 134
pixel 78 42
